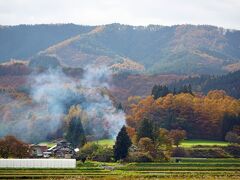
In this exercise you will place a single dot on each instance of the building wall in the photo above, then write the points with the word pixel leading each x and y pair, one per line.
pixel 37 163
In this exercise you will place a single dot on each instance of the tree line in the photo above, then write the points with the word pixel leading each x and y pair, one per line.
pixel 208 116
pixel 230 83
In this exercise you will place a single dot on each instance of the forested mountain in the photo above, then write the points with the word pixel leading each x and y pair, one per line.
pixel 24 41
pixel 204 83
pixel 179 49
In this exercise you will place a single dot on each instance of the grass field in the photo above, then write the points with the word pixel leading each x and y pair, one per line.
pixel 48 144
pixel 190 143
pixel 185 143
pixel 106 142
pixel 186 169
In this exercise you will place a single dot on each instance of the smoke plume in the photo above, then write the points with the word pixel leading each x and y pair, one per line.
pixel 51 94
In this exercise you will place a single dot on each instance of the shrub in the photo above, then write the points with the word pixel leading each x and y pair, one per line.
pixel 11 147
pixel 233 150
pixel 87 150
pixel 96 152
pixel 232 137
pixel 208 153
pixel 139 157
pixel 179 152
pixel 103 154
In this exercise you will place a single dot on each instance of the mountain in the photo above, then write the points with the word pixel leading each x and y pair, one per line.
pixel 179 49
pixel 24 41
pixel 205 83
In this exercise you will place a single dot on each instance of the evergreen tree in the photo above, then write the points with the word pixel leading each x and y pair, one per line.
pixel 145 130
pixel 155 91
pixel 174 91
pixel 165 91
pixel 159 91
pixel 185 89
pixel 75 133
pixel 122 144
pixel 119 106
pixel 190 89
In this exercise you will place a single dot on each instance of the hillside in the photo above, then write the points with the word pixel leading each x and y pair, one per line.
pixel 125 85
pixel 181 49
pixel 24 41
pixel 14 75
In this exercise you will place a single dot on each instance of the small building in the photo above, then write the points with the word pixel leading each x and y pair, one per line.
pixel 37 151
pixel 63 149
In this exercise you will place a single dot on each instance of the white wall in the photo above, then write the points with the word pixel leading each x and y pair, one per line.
pixel 37 163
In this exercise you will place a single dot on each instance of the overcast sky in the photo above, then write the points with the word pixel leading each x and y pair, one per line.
pixel 224 13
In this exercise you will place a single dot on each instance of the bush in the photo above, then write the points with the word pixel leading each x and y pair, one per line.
pixel 11 147
pixel 208 153
pixel 179 152
pixel 232 137
pixel 103 154
pixel 87 150
pixel 139 157
pixel 233 150
pixel 96 152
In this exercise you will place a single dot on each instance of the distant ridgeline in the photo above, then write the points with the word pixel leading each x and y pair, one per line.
pixel 24 41
pixel 179 49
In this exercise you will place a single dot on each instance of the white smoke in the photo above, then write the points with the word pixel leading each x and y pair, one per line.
pixel 98 105
pixel 52 93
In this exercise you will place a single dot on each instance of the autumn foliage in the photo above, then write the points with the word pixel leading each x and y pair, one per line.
pixel 199 116
pixel 11 147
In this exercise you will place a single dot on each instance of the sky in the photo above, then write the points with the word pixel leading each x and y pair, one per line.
pixel 223 13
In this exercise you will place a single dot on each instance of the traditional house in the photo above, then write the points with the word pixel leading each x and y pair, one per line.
pixel 37 151
pixel 63 149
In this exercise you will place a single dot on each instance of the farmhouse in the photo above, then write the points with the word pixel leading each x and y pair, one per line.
pixel 37 151
pixel 63 149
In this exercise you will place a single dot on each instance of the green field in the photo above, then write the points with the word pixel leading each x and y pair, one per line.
pixel 185 143
pixel 190 143
pixel 186 169
pixel 106 142
pixel 48 144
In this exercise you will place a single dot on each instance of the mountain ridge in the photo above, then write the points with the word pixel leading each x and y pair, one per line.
pixel 178 49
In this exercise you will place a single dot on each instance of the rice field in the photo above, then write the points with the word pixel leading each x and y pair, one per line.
pixel 186 169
